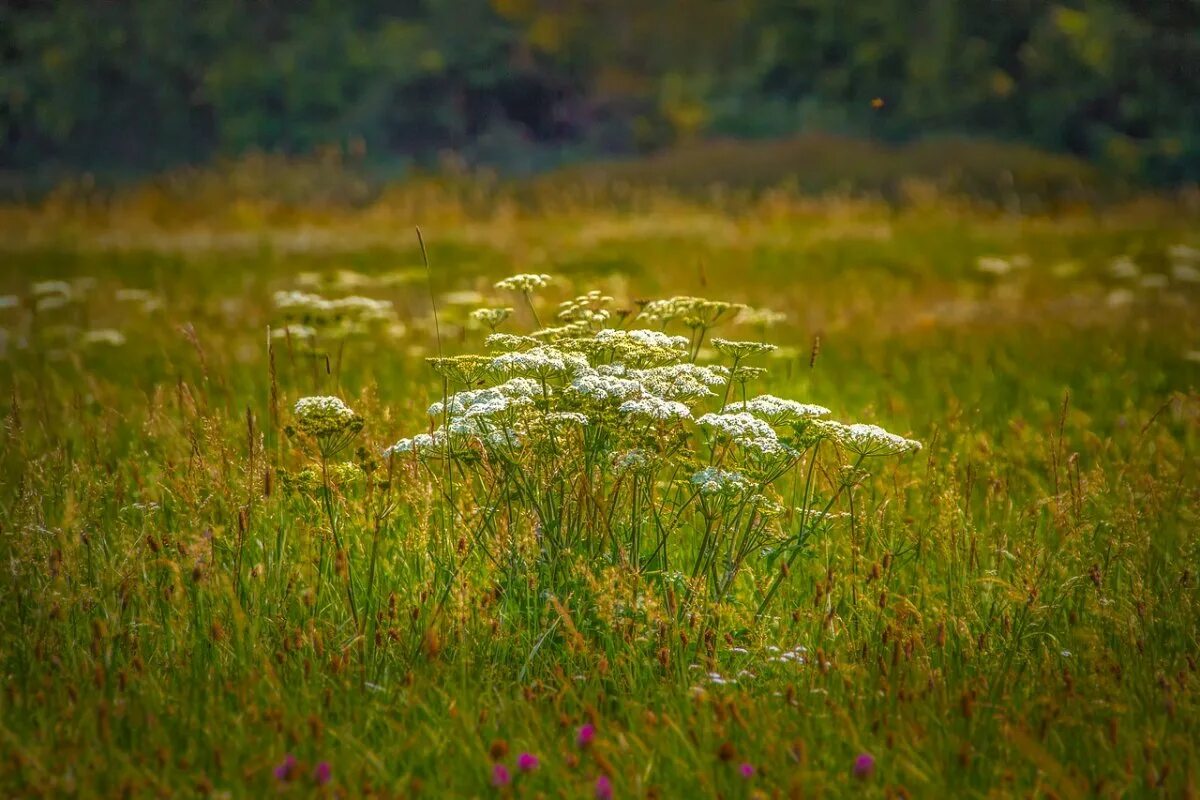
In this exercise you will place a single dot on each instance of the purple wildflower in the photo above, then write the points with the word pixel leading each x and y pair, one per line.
pixel 864 765
pixel 500 775
pixel 747 769
pixel 527 762
pixel 603 788
pixel 585 735
pixel 322 773
pixel 286 768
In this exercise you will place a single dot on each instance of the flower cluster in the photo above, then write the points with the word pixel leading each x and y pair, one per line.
pixel 324 416
pixel 336 318
pixel 491 317
pixel 331 422
pixel 525 282
pixel 714 481
pixel 692 312
pixel 866 440
pixel 745 430
pixel 778 410
pixel 631 420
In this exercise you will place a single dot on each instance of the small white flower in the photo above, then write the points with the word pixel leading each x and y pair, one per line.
pixel 1123 267
pixel 44 288
pixel 866 440
pixel 542 362
pixel 524 282
pixel 464 297
pixel 1182 253
pixel 777 410
pixel 567 418
pixel 50 302
pixel 106 336
pixel 1185 273
pixel 744 429
pixel 630 460
pixel 606 388
pixel 324 416
pixel 678 381
pixel 509 342
pixel 1119 297
pixel 741 349
pixel 656 408
pixel 993 265
pixel 713 481
pixel 761 317
pixel 294 331
pixel 650 338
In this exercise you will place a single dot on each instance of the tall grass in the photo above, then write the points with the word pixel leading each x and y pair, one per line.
pixel 202 579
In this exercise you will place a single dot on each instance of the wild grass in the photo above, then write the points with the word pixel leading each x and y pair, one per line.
pixel 200 598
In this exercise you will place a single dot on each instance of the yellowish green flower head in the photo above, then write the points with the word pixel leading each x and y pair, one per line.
pixel 525 282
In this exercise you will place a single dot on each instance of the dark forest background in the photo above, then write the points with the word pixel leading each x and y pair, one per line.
pixel 143 85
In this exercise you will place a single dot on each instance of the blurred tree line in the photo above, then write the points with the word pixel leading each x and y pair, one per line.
pixel 146 84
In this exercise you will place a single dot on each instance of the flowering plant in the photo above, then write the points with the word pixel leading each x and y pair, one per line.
pixel 615 445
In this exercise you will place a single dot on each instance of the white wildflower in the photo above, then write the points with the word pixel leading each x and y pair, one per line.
pixel 50 302
pixel 656 408
pixel 106 336
pixel 866 440
pixel 44 288
pixel 133 295
pixel 744 429
pixel 712 481
pixel 778 410
pixel 643 336
pixel 510 342
pixel 325 416
pixel 738 350
pixel 679 381
pixel 630 460
pixel 463 297
pixel 1183 252
pixel 488 402
pixel 760 317
pixel 567 418
pixel 993 265
pixel 542 362
pixel 606 388
pixel 422 441
pixel 1123 267
pixel 294 331
pixel 1185 273
pixel 492 317
pixel 525 282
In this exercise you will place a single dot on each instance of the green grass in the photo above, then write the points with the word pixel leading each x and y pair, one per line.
pixel 1012 612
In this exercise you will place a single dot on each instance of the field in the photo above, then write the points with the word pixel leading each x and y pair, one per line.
pixel 201 597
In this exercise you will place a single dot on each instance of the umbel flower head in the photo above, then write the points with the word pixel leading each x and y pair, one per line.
pixel 491 317
pixel 328 420
pixel 778 410
pixel 865 439
pixel 525 282
pixel 739 350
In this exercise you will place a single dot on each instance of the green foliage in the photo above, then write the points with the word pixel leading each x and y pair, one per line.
pixel 526 83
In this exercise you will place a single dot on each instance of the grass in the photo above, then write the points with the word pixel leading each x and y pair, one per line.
pixel 1012 611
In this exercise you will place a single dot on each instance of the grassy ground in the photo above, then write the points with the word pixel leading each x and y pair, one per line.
pixel 1011 611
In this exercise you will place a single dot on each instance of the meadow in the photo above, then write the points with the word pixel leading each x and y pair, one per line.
pixel 211 590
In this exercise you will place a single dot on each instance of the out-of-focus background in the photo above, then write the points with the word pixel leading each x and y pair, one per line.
pixel 118 90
